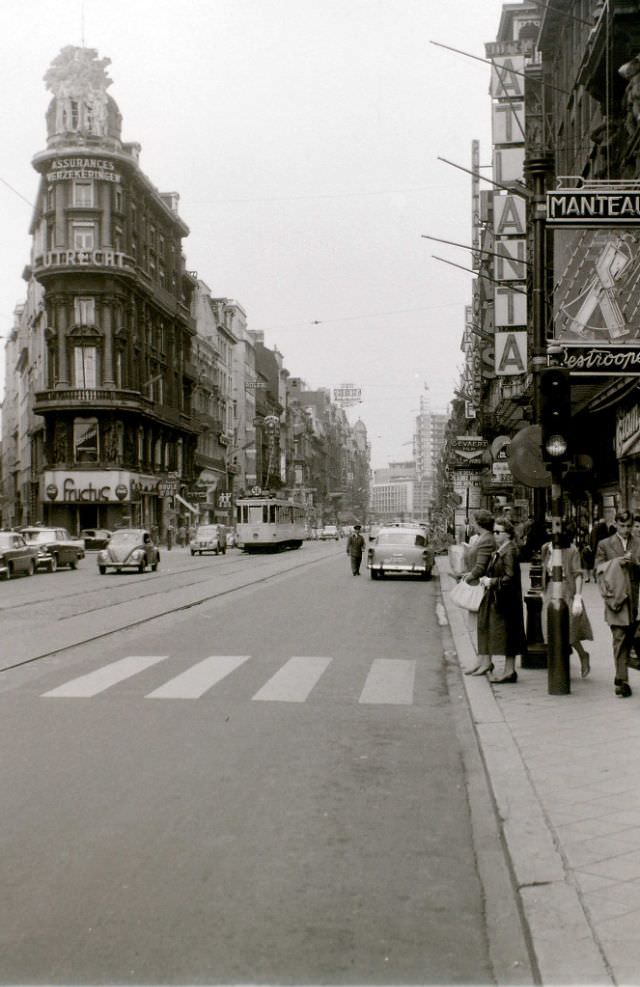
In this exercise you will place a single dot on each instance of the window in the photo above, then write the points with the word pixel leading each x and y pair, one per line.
pixel 84 311
pixel 83 236
pixel 117 199
pixel 84 366
pixel 82 193
pixel 85 440
pixel 51 197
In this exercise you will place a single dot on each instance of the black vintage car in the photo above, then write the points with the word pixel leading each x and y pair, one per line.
pixel 95 538
pixel 55 546
pixel 16 555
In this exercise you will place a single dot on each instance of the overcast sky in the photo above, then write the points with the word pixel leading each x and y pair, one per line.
pixel 303 137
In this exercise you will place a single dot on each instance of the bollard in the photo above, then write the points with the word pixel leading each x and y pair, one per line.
pixel 558 646
pixel 535 655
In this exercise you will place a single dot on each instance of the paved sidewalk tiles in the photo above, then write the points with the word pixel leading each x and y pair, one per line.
pixel 565 774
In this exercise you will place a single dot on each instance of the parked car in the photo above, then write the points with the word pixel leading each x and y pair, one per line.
pixel 209 538
pixel 129 548
pixel 400 549
pixel 16 555
pixel 95 538
pixel 55 546
pixel 329 532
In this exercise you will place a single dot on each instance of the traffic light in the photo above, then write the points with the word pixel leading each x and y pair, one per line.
pixel 555 415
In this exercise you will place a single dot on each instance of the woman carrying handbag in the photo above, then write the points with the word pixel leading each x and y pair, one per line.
pixel 481 547
pixel 500 617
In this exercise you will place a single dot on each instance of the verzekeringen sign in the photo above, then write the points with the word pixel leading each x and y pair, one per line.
pixel 586 207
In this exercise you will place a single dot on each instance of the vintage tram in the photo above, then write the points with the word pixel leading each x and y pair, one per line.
pixel 265 523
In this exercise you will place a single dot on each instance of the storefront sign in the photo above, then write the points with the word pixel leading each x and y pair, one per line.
pixel 468 450
pixel 618 360
pixel 80 487
pixel 586 207
pixel 64 169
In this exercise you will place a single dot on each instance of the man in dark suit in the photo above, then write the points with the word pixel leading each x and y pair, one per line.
pixel 617 569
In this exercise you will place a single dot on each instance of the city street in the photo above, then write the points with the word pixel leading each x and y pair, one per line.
pixel 263 785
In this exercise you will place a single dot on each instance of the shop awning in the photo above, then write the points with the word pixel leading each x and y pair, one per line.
pixel 190 507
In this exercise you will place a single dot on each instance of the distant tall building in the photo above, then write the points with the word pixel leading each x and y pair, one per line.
pixel 428 442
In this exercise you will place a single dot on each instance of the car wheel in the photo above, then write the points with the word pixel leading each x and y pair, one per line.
pixel 102 569
pixel 426 575
pixel 192 553
pixel 31 571
pixel 217 550
pixel 9 571
pixel 53 565
pixel 141 566
pixel 373 573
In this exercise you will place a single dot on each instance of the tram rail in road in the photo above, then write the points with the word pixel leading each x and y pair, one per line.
pixel 162 598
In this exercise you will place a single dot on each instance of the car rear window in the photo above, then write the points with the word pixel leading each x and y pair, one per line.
pixel 401 538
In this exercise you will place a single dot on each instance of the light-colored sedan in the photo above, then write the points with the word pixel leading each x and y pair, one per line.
pixel 209 538
pixel 400 550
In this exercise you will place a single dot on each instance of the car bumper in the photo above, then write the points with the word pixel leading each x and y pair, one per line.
pixel 397 567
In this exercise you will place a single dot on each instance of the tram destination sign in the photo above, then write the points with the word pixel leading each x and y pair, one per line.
pixel 593 207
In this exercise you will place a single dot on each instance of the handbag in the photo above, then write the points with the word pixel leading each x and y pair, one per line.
pixel 467 596
pixel 457 559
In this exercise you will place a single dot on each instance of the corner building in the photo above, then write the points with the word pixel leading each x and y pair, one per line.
pixel 119 438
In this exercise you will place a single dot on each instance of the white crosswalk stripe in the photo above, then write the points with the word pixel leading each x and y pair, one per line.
pixel 103 678
pixel 199 678
pixel 294 681
pixel 390 681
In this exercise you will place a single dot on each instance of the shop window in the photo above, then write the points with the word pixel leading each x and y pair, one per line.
pixel 85 440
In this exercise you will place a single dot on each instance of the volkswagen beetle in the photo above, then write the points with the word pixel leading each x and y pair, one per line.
pixel 129 548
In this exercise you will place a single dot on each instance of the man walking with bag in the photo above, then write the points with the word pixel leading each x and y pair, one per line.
pixel 617 568
pixel 355 548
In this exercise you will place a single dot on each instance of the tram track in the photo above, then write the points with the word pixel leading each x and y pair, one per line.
pixel 44 642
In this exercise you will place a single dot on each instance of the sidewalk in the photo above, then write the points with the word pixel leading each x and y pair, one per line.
pixel 565 775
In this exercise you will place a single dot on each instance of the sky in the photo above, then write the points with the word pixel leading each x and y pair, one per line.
pixel 303 137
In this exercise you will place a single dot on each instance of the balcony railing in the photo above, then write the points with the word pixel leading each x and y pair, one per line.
pixel 93 396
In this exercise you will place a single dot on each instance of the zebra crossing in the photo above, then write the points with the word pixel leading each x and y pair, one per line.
pixel 388 681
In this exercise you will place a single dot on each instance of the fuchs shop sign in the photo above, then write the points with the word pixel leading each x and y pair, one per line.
pixel 79 487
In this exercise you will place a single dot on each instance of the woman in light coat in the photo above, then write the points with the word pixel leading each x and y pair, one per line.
pixel 481 547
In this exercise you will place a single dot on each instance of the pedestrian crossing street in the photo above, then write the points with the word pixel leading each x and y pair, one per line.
pixel 389 681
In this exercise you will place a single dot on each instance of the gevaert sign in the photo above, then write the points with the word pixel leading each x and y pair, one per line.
pixel 589 207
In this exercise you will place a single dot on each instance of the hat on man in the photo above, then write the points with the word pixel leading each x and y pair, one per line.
pixel 357 527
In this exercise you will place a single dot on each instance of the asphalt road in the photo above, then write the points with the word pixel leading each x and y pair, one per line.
pixel 263 786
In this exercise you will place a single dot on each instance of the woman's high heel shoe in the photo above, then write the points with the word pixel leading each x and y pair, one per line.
pixel 482 670
pixel 506 679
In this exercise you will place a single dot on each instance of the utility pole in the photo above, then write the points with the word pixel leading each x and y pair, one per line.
pixel 537 168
